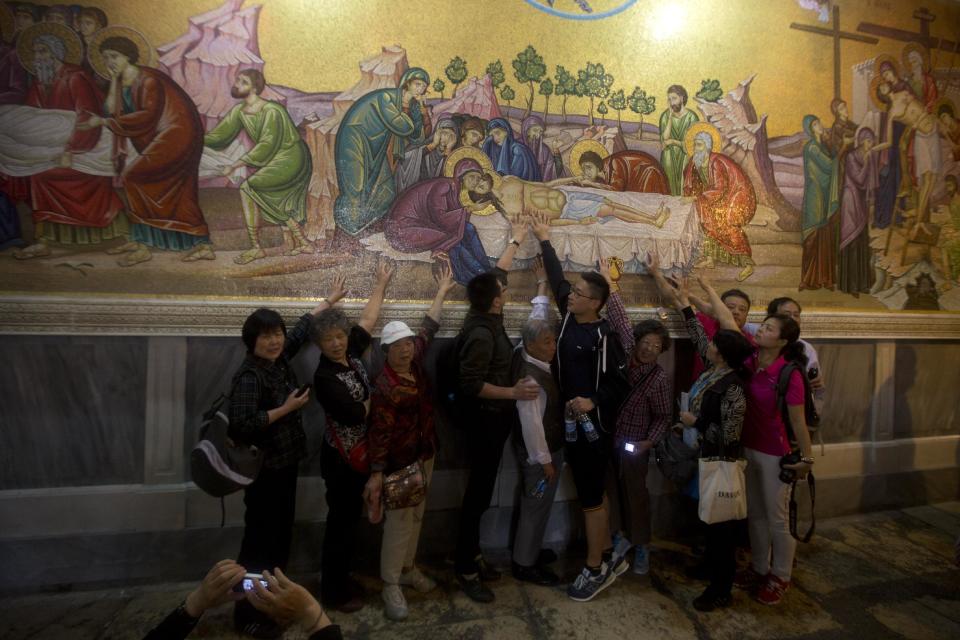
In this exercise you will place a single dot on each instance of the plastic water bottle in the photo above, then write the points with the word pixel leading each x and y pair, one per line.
pixel 540 489
pixel 570 426
pixel 588 429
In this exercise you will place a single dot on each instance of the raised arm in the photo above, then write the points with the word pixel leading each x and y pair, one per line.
pixel 723 315
pixel 616 313
pixel 667 291
pixel 543 285
pixel 445 283
pixel 371 311
pixel 518 233
pixel 680 298
pixel 551 263
pixel 540 309
pixel 702 305
pixel 299 335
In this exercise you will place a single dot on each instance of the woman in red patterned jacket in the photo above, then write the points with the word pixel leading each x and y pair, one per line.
pixel 399 434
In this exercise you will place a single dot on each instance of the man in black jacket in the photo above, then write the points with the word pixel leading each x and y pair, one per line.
pixel 591 366
pixel 489 410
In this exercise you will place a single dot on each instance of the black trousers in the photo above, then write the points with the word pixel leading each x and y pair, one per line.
pixel 345 503
pixel 268 526
pixel 487 433
pixel 721 559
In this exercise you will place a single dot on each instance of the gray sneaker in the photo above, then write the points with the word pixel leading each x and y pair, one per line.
pixel 621 546
pixel 418 580
pixel 589 584
pixel 641 560
pixel 394 604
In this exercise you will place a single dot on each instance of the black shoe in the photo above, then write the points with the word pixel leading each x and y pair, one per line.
pixel 547 556
pixel 708 601
pixel 535 575
pixel 475 589
pixel 264 630
pixel 352 604
pixel 487 572
pixel 254 624
pixel 699 571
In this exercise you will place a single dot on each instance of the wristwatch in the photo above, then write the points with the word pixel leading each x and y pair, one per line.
pixel 181 614
pixel 807 460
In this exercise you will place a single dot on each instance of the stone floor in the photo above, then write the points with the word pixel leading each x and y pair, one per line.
pixel 880 575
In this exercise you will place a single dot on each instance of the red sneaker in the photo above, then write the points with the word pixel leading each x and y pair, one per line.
pixel 772 592
pixel 748 579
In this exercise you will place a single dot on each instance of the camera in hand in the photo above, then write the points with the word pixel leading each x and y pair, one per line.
pixel 813 373
pixel 789 476
pixel 247 583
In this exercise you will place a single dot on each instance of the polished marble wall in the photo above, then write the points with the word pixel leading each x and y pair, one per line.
pixel 75 406
pixel 95 435
pixel 849 369
pixel 927 389
pixel 73 411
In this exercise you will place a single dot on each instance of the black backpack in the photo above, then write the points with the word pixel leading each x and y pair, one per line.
pixel 218 464
pixel 447 387
pixel 678 462
pixel 810 412
pixel 812 417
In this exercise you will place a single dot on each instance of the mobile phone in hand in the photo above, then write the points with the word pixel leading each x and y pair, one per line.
pixel 247 583
pixel 304 389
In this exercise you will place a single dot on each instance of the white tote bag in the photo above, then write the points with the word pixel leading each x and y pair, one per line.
pixel 723 494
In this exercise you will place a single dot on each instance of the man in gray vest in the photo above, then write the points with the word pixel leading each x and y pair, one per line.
pixel 539 443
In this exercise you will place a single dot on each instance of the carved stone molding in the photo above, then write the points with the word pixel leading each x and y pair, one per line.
pixel 74 315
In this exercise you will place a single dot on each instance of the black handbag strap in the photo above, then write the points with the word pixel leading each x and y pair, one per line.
pixel 811 483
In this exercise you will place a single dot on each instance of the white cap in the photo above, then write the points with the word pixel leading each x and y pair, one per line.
pixel 394 331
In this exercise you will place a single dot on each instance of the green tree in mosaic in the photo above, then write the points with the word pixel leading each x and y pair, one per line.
pixel 603 111
pixel 593 82
pixel 564 86
pixel 546 90
pixel 507 93
pixel 710 90
pixel 438 86
pixel 456 72
pixel 618 102
pixel 495 71
pixel 528 67
pixel 641 104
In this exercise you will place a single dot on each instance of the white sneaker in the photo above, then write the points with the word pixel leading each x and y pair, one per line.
pixel 418 580
pixel 395 604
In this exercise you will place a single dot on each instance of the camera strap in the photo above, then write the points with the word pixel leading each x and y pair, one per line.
pixel 793 509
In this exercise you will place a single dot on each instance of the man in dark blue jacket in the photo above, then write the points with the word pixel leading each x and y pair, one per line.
pixel 591 367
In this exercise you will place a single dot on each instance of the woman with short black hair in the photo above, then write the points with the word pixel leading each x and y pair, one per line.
pixel 265 412
pixel 342 388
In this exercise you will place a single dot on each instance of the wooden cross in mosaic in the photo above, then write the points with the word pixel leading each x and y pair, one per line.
pixel 922 36
pixel 837 35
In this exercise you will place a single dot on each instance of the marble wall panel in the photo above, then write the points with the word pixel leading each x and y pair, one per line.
pixel 927 388
pixel 73 410
pixel 848 369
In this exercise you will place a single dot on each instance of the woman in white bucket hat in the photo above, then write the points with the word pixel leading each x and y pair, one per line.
pixel 401 433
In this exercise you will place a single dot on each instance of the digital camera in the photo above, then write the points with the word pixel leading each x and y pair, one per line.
pixel 789 476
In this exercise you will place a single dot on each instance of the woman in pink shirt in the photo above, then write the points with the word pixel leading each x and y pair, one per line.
pixel 765 441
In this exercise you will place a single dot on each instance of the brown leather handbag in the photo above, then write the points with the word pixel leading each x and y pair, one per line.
pixel 406 487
